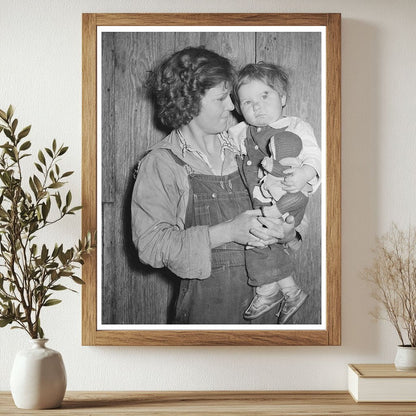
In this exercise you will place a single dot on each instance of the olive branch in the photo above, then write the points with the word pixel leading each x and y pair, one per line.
pixel 30 274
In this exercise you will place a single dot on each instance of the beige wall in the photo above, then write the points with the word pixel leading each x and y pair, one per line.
pixel 40 73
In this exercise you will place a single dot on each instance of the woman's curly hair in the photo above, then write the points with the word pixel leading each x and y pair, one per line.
pixel 272 75
pixel 179 83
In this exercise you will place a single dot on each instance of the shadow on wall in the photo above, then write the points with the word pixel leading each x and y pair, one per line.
pixel 361 186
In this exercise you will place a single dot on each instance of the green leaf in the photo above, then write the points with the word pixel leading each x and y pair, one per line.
pixel 62 257
pixel 5 321
pixel 63 150
pixel 58 199
pixel 56 185
pixel 34 249
pixel 37 182
pixel 14 125
pixel 72 210
pixel 54 145
pixel 55 251
pixel 49 152
pixel 4 298
pixel 3 115
pixel 59 287
pixel 33 187
pixel 10 112
pixel 68 199
pixel 51 302
pixel 39 167
pixel 25 155
pixel 59 250
pixel 67 174
pixel 34 226
pixel 77 280
pixel 44 253
pixel 45 210
pixel 8 133
pixel 41 157
pixel 40 332
pixel 24 132
pixel 25 145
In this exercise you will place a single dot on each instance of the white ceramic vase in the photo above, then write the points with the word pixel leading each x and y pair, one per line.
pixel 405 358
pixel 38 377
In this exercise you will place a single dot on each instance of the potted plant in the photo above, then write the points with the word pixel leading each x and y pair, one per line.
pixel 393 277
pixel 31 273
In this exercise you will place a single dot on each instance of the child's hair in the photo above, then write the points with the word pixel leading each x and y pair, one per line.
pixel 272 75
pixel 179 83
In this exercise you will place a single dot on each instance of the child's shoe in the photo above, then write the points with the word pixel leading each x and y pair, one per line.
pixel 291 304
pixel 262 304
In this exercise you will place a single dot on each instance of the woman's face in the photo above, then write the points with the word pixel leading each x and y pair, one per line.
pixel 216 106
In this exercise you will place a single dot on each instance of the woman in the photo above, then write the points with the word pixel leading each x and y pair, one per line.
pixel 190 210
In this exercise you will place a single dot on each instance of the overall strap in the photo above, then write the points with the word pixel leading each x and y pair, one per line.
pixel 189 171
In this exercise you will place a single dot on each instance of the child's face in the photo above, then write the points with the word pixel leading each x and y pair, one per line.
pixel 259 103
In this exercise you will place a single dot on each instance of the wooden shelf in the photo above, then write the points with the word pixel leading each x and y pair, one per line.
pixel 178 403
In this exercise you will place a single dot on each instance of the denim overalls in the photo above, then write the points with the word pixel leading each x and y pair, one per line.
pixel 223 297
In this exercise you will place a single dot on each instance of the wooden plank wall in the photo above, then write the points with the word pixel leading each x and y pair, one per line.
pixel 132 292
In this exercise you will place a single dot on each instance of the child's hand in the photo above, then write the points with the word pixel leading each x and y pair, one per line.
pixel 297 180
pixel 272 186
pixel 267 164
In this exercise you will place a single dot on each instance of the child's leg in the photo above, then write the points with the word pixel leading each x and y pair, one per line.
pixel 294 298
pixel 294 204
pixel 267 297
pixel 271 211
pixel 268 289
pixel 265 267
pixel 288 285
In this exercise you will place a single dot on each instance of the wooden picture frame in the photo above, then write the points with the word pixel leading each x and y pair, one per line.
pixel 94 332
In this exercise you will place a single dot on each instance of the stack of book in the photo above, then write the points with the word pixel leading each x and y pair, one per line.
pixel 381 383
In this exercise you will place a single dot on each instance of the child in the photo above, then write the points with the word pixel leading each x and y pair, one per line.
pixel 261 93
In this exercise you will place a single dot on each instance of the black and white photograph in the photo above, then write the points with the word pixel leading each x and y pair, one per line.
pixel 211 178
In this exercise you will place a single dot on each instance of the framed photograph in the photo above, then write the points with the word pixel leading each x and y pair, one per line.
pixel 156 277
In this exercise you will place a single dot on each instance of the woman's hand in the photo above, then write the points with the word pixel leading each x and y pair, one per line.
pixel 275 230
pixel 252 229
pixel 241 229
